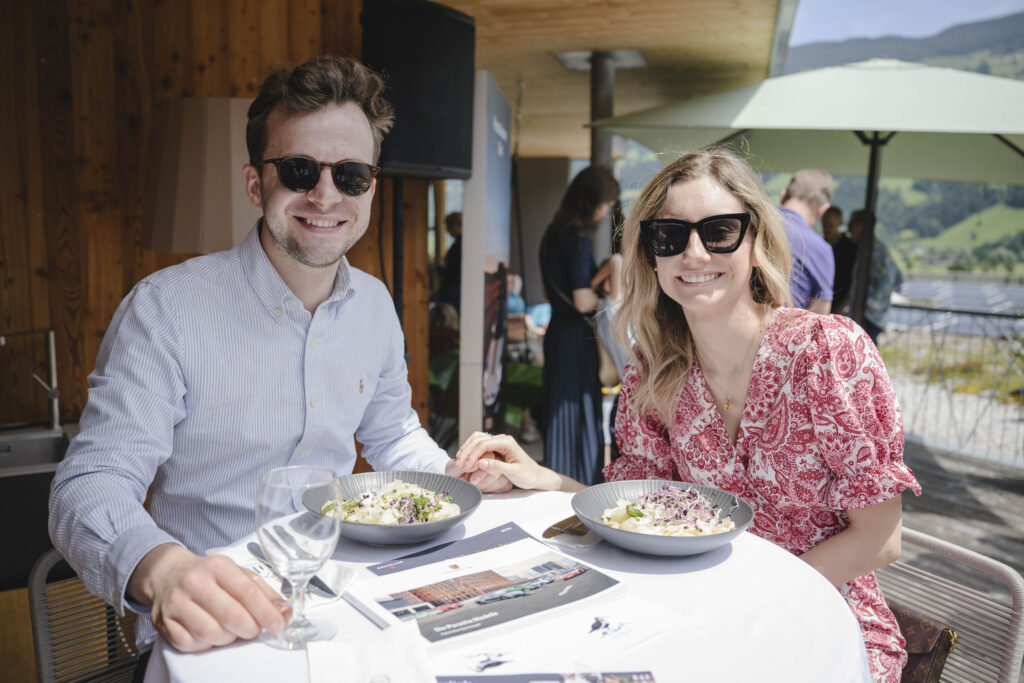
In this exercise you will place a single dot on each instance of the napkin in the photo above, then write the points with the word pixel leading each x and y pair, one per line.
pixel 397 654
pixel 333 573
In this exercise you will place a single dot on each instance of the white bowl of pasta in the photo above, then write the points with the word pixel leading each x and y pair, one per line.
pixel 661 517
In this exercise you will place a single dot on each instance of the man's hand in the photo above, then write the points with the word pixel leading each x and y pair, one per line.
pixel 202 602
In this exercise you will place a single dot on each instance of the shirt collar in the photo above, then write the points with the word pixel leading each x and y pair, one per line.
pixel 270 288
pixel 792 214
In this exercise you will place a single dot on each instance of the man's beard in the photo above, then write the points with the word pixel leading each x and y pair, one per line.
pixel 290 244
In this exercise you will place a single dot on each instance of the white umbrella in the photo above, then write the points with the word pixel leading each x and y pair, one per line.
pixel 910 119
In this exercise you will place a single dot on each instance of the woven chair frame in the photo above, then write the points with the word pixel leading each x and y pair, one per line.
pixel 990 631
pixel 78 637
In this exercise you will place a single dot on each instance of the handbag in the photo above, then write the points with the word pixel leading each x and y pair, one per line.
pixel 928 644
pixel 607 373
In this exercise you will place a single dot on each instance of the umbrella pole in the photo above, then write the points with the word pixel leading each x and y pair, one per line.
pixel 867 239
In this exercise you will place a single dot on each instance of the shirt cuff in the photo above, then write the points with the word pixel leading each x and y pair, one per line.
pixel 125 555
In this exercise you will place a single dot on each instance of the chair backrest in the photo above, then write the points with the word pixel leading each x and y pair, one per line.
pixel 77 636
pixel 990 631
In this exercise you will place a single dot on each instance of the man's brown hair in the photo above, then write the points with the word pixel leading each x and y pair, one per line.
pixel 313 85
pixel 811 186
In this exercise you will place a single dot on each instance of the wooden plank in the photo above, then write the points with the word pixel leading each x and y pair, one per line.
pixel 304 30
pixel 171 50
pixel 342 32
pixel 209 48
pixel 273 43
pixel 16 649
pixel 97 217
pixel 135 115
pixel 63 252
pixel 416 311
pixel 246 71
pixel 18 263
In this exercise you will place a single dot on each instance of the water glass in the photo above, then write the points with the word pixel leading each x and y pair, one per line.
pixel 297 540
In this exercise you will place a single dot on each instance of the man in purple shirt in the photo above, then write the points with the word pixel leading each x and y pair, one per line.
pixel 803 202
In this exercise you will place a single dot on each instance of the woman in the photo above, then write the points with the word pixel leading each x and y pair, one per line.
pixel 790 410
pixel 572 391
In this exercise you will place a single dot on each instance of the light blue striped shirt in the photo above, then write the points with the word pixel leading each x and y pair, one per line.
pixel 211 373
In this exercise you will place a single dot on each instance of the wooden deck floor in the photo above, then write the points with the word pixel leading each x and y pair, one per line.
pixel 973 503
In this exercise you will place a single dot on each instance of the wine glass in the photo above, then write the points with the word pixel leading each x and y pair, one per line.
pixel 297 540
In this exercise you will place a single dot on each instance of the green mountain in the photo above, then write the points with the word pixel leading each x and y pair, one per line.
pixel 994 46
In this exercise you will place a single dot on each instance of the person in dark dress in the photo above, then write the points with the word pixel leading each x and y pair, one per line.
pixel 573 439
pixel 844 250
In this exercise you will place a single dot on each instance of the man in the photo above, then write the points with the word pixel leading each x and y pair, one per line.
pixel 451 274
pixel 803 203
pixel 884 279
pixel 212 372
pixel 844 251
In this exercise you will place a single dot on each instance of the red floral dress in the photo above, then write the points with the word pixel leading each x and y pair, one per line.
pixel 821 433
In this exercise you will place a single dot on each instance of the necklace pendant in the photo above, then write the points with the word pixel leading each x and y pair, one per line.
pixel 728 404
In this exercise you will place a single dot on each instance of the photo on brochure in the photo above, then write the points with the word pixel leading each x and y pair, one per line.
pixel 469 593
pixel 582 677
pixel 472 601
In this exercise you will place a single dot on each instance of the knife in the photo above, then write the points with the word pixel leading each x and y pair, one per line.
pixel 315 582
pixel 569 525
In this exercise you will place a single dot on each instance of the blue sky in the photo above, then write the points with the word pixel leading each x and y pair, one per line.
pixel 831 20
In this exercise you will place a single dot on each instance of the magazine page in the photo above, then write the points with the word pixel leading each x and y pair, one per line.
pixel 461 594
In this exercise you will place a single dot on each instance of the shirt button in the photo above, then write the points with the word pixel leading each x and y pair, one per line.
pixel 302 451
pixel 312 344
pixel 293 303
pixel 312 402
pixel 277 311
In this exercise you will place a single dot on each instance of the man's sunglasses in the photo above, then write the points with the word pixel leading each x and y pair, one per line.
pixel 719 234
pixel 301 174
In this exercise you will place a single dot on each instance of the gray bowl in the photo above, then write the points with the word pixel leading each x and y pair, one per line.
pixel 463 494
pixel 590 503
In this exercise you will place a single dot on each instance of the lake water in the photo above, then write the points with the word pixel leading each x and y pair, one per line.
pixel 982 297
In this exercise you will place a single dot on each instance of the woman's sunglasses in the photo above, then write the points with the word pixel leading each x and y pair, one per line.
pixel 301 174
pixel 719 234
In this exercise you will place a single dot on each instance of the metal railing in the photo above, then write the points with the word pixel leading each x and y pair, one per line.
pixel 959 378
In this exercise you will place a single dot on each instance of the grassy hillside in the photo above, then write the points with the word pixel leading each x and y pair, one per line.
pixel 985 227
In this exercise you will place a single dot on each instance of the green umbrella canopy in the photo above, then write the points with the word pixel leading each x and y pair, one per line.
pixel 944 124
pixel 908 120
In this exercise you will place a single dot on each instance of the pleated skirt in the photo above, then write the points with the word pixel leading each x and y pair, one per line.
pixel 573 437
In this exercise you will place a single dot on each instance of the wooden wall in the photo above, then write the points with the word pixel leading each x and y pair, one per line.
pixel 79 84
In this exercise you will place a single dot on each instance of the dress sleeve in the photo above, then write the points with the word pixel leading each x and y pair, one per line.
pixel 855 417
pixel 581 264
pixel 642 441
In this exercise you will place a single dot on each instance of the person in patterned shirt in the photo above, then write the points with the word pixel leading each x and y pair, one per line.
pixel 730 387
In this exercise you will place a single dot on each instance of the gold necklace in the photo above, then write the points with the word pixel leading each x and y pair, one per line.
pixel 727 400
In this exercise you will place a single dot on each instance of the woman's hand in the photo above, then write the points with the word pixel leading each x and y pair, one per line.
pixel 487 482
pixel 501 455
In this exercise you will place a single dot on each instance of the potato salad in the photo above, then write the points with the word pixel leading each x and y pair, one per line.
pixel 397 502
pixel 668 511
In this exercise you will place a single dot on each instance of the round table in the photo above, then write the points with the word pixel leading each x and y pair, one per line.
pixel 748 611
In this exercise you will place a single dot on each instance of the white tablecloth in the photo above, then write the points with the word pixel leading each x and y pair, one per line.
pixel 748 611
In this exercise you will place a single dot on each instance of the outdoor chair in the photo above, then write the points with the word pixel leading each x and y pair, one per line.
pixel 519 340
pixel 77 636
pixel 989 632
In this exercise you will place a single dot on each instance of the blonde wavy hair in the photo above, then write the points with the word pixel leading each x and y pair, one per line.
pixel 655 322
